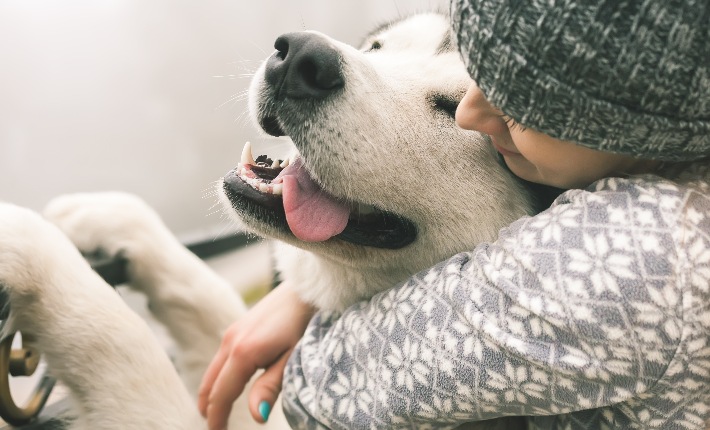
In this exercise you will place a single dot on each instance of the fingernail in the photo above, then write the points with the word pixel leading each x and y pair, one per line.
pixel 264 410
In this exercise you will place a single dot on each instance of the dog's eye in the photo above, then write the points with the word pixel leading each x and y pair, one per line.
pixel 376 45
pixel 445 105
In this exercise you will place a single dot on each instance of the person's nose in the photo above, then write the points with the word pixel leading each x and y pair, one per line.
pixel 474 112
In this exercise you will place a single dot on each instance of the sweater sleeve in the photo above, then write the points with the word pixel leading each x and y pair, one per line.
pixel 576 308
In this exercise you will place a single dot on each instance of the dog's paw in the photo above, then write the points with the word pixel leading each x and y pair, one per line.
pixel 110 223
pixel 32 251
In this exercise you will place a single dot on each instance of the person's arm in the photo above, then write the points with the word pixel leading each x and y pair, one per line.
pixel 575 308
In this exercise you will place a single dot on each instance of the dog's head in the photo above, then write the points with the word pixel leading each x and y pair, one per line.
pixel 384 181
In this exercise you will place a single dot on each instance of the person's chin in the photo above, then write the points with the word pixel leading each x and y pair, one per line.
pixel 503 150
pixel 522 168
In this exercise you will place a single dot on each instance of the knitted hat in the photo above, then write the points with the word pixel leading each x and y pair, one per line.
pixel 625 76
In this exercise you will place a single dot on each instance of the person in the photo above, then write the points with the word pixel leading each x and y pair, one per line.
pixel 594 313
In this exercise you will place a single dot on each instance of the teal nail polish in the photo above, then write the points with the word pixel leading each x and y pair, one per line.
pixel 264 410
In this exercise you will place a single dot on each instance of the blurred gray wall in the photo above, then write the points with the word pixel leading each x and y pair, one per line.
pixel 145 96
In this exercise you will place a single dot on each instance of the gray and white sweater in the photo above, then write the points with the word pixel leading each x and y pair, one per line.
pixel 592 314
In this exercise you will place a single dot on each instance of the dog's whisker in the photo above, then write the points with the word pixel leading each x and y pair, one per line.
pixel 231 225
pixel 236 98
pixel 246 64
pixel 303 23
pixel 235 101
pixel 216 204
pixel 211 189
pixel 209 214
pixel 245 60
pixel 266 54
pixel 243 117
pixel 235 76
pixel 396 6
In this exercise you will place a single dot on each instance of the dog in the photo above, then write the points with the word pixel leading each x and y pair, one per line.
pixel 383 185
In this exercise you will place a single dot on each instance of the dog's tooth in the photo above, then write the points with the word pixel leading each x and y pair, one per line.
pixel 275 164
pixel 278 189
pixel 285 163
pixel 247 157
pixel 263 187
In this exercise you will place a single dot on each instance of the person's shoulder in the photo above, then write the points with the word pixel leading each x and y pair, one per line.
pixel 642 200
pixel 637 190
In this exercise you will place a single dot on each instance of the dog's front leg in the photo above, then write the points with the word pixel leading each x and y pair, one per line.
pixel 117 373
pixel 193 302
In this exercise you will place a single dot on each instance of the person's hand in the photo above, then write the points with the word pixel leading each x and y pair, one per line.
pixel 263 339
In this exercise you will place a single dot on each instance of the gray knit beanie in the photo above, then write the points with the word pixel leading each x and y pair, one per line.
pixel 625 76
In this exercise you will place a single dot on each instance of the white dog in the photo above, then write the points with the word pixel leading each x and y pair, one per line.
pixel 384 185
pixel 381 166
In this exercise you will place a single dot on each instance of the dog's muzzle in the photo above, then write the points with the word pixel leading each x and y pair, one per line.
pixel 304 66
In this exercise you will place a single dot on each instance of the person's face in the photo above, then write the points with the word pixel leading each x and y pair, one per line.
pixel 537 157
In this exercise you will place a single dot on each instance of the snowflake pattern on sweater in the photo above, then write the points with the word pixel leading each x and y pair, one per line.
pixel 591 315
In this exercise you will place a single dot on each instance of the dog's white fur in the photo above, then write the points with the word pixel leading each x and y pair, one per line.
pixel 444 179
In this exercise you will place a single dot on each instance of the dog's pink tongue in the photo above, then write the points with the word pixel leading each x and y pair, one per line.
pixel 312 214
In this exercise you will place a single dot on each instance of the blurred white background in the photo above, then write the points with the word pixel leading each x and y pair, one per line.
pixel 145 96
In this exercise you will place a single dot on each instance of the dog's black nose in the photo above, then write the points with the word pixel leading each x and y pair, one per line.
pixel 304 66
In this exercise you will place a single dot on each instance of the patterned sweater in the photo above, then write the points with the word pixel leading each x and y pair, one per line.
pixel 593 314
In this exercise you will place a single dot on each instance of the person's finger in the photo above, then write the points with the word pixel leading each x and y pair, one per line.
pixel 209 378
pixel 227 387
pixel 266 389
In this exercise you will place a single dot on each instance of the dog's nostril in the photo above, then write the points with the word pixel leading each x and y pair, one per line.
pixel 281 46
pixel 308 71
